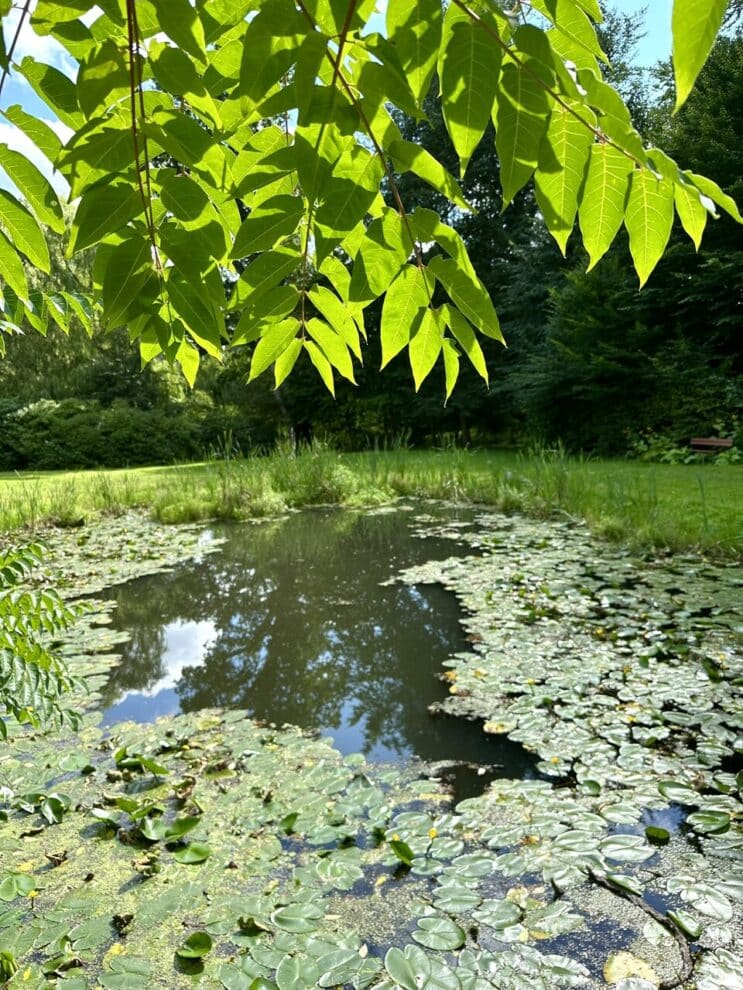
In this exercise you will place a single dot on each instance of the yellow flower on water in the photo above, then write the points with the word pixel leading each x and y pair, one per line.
pixel 432 833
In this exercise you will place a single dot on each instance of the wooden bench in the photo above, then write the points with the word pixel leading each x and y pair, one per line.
pixel 710 445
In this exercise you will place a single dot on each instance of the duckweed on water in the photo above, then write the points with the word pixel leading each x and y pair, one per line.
pixel 208 851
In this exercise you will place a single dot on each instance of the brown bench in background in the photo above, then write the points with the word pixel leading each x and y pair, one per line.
pixel 710 445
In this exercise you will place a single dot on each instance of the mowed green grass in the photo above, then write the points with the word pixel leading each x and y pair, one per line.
pixel 679 507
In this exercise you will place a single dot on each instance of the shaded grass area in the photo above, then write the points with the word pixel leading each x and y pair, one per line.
pixel 679 507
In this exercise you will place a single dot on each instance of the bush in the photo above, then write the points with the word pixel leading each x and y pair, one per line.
pixel 32 680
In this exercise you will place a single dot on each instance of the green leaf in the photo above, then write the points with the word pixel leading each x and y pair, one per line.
pixel 339 315
pixel 709 822
pixel 182 24
pixel 188 358
pixel 402 310
pixel 679 793
pixel 602 205
pixel 521 122
pixel 274 305
pixel 712 191
pixel 322 365
pixel 409 157
pixel 11 269
pixel 194 852
pixel 425 345
pixel 286 361
pixel 456 899
pixel 625 848
pixel 648 219
pixel 333 347
pixel 276 218
pixel 409 968
pixel 54 88
pixel 262 274
pixel 469 65
pixel 204 322
pixel 694 26
pixel 298 918
pixel 439 933
pixel 380 256
pixel 15 885
pixel 352 188
pixel 414 28
pixel 183 197
pixel 128 268
pixel 34 187
pixel 691 211
pixel 427 226
pixel 467 340
pixel 23 231
pixel 563 159
pixel 196 946
pixel 103 210
pixel 469 295
pixel 575 34
pixel 39 133
pixel 657 836
pixel 103 79
pixel 627 883
pixel 688 924
pixel 298 972
pixel 272 344
pixel 498 914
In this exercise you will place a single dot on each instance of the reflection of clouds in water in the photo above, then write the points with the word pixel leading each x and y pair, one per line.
pixel 186 645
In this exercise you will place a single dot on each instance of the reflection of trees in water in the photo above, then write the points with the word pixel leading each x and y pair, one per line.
pixel 302 626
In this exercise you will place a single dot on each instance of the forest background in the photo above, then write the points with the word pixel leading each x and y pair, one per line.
pixel 591 362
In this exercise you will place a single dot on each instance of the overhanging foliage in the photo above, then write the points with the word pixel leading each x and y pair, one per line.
pixel 253 142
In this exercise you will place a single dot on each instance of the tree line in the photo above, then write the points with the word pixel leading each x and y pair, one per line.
pixel 591 360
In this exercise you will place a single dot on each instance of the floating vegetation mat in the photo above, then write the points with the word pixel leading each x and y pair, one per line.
pixel 208 851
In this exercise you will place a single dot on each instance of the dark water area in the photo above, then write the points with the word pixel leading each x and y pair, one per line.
pixel 289 622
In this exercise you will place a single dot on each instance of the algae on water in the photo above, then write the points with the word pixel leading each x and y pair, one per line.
pixel 207 851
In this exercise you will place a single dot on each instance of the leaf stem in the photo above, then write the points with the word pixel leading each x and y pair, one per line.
pixel 16 37
pixel 135 96
pixel 379 151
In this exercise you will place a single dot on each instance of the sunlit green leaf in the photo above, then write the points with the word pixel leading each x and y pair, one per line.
pixel 695 24
pixel 648 219
pixel 603 201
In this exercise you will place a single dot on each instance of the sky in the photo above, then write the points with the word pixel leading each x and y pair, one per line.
pixel 657 41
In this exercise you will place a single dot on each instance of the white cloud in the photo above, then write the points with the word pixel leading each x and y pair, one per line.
pixel 43 48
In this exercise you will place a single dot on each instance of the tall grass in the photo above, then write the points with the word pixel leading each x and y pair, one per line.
pixel 679 507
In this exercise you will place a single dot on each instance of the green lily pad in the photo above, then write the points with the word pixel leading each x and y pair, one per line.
pixel 196 946
pixel 193 853
pixel 440 933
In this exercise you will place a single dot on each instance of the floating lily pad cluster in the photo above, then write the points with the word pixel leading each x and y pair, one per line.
pixel 625 677
pixel 209 851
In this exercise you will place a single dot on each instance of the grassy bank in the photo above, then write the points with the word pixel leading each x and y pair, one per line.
pixel 675 506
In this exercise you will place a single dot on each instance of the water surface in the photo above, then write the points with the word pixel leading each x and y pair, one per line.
pixel 289 621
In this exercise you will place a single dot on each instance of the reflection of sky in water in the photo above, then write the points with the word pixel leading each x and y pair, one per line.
pixel 186 644
pixel 297 622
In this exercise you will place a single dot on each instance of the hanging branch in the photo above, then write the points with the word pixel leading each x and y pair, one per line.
pixel 336 62
pixel 16 37
pixel 141 154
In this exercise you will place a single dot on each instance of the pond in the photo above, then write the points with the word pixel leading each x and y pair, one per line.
pixel 292 622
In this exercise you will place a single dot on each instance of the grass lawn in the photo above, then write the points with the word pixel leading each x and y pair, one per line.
pixel 680 507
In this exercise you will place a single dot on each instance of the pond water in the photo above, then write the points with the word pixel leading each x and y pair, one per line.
pixel 290 622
